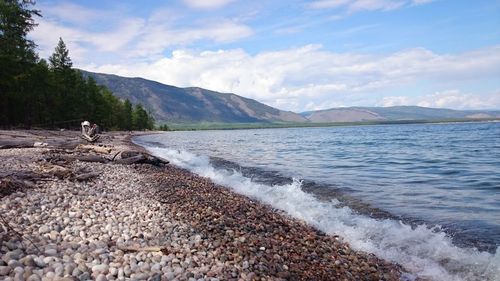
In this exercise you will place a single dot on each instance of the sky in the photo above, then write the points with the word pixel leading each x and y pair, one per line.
pixel 294 55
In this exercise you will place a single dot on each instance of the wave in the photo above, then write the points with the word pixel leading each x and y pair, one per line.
pixel 426 252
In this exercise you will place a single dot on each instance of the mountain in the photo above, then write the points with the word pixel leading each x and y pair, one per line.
pixel 194 105
pixel 395 113
pixel 191 105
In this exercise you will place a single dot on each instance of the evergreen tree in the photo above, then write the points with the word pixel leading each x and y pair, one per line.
pixel 37 93
pixel 141 119
pixel 17 55
pixel 60 59
pixel 127 115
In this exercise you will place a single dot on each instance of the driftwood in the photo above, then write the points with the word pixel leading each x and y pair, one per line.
pixel 95 148
pixel 10 185
pixel 56 170
pixel 131 160
pixel 6 144
pixel 144 249
pixel 134 157
pixel 88 158
pixel 88 138
pixel 21 175
pixel 86 176
pixel 67 144
pixel 9 228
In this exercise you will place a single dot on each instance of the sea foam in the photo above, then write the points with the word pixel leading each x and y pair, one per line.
pixel 424 251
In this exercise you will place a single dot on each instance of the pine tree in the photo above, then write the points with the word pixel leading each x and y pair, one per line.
pixel 60 59
pixel 127 115
pixel 17 56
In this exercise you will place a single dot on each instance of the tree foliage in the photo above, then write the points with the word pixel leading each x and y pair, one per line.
pixel 60 59
pixel 34 93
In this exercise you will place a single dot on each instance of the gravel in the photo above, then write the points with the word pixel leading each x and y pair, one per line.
pixel 140 222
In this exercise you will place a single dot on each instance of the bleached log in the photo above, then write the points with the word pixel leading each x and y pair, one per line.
pixel 96 148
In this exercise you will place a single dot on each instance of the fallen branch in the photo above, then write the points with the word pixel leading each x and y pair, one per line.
pixel 7 225
pixel 10 185
pixel 6 144
pixel 89 158
pixel 131 160
pixel 90 139
pixel 86 176
pixel 56 170
pixel 95 148
pixel 132 157
pixel 144 249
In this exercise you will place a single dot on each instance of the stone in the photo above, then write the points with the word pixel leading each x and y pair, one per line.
pixel 155 277
pixel 170 275
pixel 50 252
pixel 43 229
pixel 28 261
pixel 39 262
pixel 4 270
pixel 100 268
pixel 14 264
pixel 12 255
pixel 84 276
pixel 139 276
pixel 101 277
pixel 156 267
pixel 19 277
pixel 53 235
pixel 34 277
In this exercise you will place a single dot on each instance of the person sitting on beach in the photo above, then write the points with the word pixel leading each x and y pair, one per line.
pixel 89 133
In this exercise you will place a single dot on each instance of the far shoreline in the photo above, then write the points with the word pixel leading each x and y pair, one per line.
pixel 281 125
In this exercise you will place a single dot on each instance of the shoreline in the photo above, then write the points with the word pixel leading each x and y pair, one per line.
pixel 143 222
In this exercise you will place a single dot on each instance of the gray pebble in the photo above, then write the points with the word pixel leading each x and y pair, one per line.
pixel 43 229
pixel 101 277
pixel 100 268
pixel 51 252
pixel 4 270
pixel 84 276
pixel 34 277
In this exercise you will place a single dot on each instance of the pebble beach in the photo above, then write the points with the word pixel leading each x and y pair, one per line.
pixel 152 222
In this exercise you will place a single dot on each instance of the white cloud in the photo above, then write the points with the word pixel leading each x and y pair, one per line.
pixel 131 37
pixel 157 37
pixel 207 4
pixel 352 6
pixel 448 99
pixel 309 75
pixel 420 2
pixel 72 13
pixel 321 4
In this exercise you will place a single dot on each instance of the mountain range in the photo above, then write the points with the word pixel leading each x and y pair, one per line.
pixel 195 105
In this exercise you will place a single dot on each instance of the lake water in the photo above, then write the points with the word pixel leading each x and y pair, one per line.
pixel 426 195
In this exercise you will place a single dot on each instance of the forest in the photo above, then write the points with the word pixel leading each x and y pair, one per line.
pixel 39 93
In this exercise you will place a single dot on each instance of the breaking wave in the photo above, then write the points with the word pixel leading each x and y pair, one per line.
pixel 424 251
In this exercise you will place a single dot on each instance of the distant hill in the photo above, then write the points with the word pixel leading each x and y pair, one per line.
pixel 195 105
pixel 192 105
pixel 395 113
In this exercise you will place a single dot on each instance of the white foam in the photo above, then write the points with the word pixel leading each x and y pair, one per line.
pixel 425 252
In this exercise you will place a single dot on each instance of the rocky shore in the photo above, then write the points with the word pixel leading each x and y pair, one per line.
pixel 151 222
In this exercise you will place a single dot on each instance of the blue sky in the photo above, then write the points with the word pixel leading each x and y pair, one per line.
pixel 294 55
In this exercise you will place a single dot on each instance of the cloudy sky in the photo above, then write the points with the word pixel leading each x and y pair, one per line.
pixel 295 55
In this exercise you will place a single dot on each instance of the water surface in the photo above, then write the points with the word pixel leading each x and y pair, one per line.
pixel 441 182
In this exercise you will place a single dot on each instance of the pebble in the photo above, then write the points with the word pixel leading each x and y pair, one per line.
pixel 34 277
pixel 4 270
pixel 100 268
pixel 208 232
